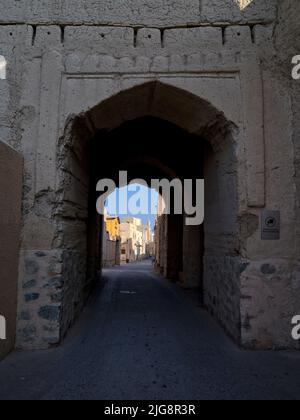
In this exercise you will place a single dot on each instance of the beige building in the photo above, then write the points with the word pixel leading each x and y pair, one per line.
pixel 111 241
pixel 131 239
pixel 147 239
pixel 128 251
pixel 135 238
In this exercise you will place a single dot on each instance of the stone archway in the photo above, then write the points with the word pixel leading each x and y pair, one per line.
pixel 75 251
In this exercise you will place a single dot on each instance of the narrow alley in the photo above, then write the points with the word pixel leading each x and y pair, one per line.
pixel 143 337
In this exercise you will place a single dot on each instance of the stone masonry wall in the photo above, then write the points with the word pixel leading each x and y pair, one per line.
pixel 287 42
pixel 223 263
pixel 222 293
pixel 270 286
pixel 40 300
pixel 136 13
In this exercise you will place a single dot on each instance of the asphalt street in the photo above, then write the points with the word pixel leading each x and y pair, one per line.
pixel 142 337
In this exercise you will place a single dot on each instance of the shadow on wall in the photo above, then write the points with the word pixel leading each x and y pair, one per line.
pixel 11 171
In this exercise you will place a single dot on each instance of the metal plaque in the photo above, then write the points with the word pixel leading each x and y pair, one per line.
pixel 270 225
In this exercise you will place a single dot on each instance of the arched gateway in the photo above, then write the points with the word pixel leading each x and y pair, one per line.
pixel 151 122
pixel 194 102
pixel 159 121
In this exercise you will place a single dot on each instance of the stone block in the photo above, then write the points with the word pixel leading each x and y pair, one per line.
pixel 238 37
pixel 194 39
pixel 148 38
pixel 102 39
pixel 48 36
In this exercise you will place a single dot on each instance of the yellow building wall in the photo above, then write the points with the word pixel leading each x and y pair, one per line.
pixel 113 227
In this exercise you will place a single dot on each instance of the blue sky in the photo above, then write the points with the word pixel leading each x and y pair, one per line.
pixel 134 201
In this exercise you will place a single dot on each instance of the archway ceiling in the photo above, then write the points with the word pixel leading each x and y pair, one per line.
pixel 157 99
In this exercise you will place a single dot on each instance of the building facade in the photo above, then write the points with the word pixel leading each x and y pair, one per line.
pixel 136 239
pixel 111 245
pixel 76 71
pixel 147 240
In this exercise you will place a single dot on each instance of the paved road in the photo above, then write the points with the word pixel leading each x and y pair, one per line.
pixel 142 337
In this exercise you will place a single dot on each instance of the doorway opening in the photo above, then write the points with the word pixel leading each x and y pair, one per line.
pixel 136 147
pixel 130 218
pixel 154 131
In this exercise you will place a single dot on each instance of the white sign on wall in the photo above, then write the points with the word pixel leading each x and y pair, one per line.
pixel 2 328
pixel 270 225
